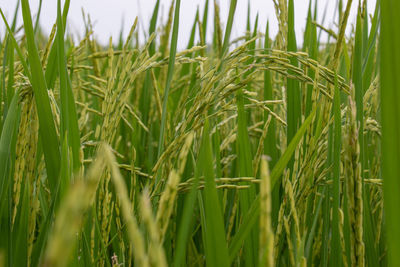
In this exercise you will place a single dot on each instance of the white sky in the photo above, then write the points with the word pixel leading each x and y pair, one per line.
pixel 108 15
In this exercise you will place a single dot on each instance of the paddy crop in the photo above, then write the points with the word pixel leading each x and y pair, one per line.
pixel 254 151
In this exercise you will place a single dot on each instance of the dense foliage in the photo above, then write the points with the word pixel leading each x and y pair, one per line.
pixel 247 152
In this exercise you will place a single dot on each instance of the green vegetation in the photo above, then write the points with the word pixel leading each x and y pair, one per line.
pixel 390 65
pixel 233 152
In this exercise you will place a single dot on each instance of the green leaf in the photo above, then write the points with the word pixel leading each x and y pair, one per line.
pixel 20 229
pixel 312 50
pixel 51 67
pixel 69 120
pixel 38 16
pixel 390 98
pixel 171 66
pixel 19 52
pixel 357 80
pixel 368 235
pixel 293 88
pixel 336 253
pixel 228 30
pixel 9 132
pixel 8 90
pixel 153 25
pixel 216 246
pixel 204 22
pixel 245 170
pixel 47 129
pixel 185 223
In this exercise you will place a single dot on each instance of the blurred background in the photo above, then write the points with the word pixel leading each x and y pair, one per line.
pixel 110 16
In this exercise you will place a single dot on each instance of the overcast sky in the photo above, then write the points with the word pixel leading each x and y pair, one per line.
pixel 108 15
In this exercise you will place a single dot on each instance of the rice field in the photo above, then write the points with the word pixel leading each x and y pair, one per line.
pixel 249 151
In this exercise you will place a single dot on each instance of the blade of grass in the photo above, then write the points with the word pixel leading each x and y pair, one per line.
pixel 248 222
pixel 217 35
pixel 145 97
pixel 357 80
pixel 171 66
pixel 152 28
pixel 10 82
pixel 51 67
pixel 69 120
pixel 7 155
pixel 8 57
pixel 370 250
pixel 47 129
pixel 313 53
pixel 8 133
pixel 228 30
pixel 365 23
pixel 216 247
pixel 311 235
pixel 185 223
pixel 323 19
pixel 205 22
pixel 186 67
pixel 293 88
pixel 248 23
pixel 38 16
pixel 369 58
pixel 19 52
pixel 326 223
pixel 20 229
pixel 336 253
pixel 185 70
pixel 390 98
pixel 245 170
